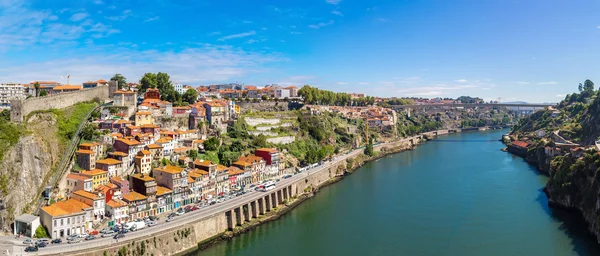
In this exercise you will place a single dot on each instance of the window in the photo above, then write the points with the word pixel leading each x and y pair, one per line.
pixel 54 223
pixel 68 221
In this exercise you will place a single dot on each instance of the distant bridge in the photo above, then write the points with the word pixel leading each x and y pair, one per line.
pixel 473 105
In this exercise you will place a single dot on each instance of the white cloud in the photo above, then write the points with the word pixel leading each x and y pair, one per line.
pixel 560 95
pixel 338 13
pixel 193 65
pixel 333 1
pixel 320 25
pixel 363 83
pixel 547 83
pixel 79 16
pixel 264 28
pixel 297 80
pixel 239 35
pixel 522 83
pixel 251 41
pixel 215 33
pixel 98 2
pixel 151 19
pixel 382 20
pixel 598 27
pixel 462 80
pixel 295 33
pixel 341 83
pixel 126 14
pixel 246 22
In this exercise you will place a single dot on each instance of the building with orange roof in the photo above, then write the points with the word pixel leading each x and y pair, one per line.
pixel 65 218
pixel 67 88
pixel 113 166
pixel 164 199
pixel 96 200
pixel 143 161
pixel 125 98
pixel 208 166
pixel 167 143
pixel 156 151
pixel 86 159
pixel 128 146
pixel 107 191
pixel 145 185
pixel 118 210
pixel 77 181
pixel 270 155
pixel 143 117
pixel 173 178
pixel 11 91
pixel 222 180
pixel 122 184
pixel 99 177
pixel 138 205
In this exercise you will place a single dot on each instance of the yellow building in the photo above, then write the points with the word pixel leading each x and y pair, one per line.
pixel 99 177
pixel 143 118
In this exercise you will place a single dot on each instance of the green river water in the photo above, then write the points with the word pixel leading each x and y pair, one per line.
pixel 457 195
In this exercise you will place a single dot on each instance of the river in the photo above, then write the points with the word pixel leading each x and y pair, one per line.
pixel 458 195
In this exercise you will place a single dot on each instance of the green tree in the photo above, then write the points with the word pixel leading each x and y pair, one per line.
pixel 260 141
pixel 37 89
pixel 211 144
pixel 41 232
pixel 190 96
pixel 87 133
pixel 43 93
pixel 193 154
pixel 4 116
pixel 369 148
pixel 149 80
pixel 121 81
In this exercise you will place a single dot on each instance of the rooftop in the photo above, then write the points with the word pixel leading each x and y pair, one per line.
pixel 109 161
pixel 65 208
pixel 133 196
pixel 93 172
pixel 86 194
pixel 170 169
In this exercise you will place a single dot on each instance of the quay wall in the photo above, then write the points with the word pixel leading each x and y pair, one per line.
pixel 19 109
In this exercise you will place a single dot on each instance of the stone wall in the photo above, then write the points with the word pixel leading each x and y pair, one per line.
pixel 268 106
pixel 21 108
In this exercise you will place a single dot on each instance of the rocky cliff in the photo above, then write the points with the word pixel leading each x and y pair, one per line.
pixel 26 166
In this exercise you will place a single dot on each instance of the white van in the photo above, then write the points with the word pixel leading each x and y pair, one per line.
pixel 268 187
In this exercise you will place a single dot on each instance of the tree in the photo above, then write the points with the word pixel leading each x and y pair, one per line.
pixel 121 81
pixel 37 89
pixel 211 144
pixel 260 141
pixel 190 96
pixel 264 97
pixel 369 148
pixel 588 86
pixel 87 133
pixel 43 93
pixel 193 154
pixel 149 80
pixel 41 232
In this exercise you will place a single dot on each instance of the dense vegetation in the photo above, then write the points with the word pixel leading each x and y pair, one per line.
pixel 469 99
pixel 313 95
pixel 9 132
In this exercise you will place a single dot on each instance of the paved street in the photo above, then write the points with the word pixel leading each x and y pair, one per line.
pixel 179 221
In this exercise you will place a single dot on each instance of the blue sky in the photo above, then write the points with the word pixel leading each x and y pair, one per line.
pixel 533 50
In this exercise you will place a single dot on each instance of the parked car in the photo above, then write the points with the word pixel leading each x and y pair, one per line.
pixel 180 212
pixel 287 176
pixel 73 236
pixel 57 241
pixel 195 208
pixel 93 232
pixel 90 237
pixel 31 249
pixel 108 229
pixel 150 223
pixel 75 240
pixel 28 241
pixel 42 240
pixel 170 219
pixel 108 233
pixel 41 244
pixel 154 218
pixel 120 235
pixel 212 202
pixel 124 231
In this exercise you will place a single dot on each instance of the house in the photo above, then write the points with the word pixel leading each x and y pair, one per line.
pixel 125 98
pixel 128 146
pixel 156 151
pixel 215 112
pixel 144 184
pixel 222 180
pixel 143 118
pixel 95 200
pixel 270 155
pixel 293 91
pixel 26 225
pixel 238 178
pixel 123 157
pixel 66 88
pixel 78 182
pixel 143 161
pixel 201 186
pixel 99 177
pixel 164 199
pixel 208 166
pixel 175 179
pixel 65 218
pixel 552 151
pixel 282 93
pixel 168 145
pixel 577 152
pixel 117 210
pixel 254 165
pixel 86 159
pixel 121 183
pixel 107 191
pixel 114 167
pixel 138 205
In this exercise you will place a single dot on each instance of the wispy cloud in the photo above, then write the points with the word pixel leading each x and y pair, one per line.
pixel 522 83
pixel 462 80
pixel 598 27
pixel 151 19
pixel 215 33
pixel 295 33
pixel 297 80
pixel 338 13
pixel 126 14
pixel 560 95
pixel 252 41
pixel 79 16
pixel 363 83
pixel 382 20
pixel 341 83
pixel 547 83
pixel 192 65
pixel 98 2
pixel 320 25
pixel 333 1
pixel 239 35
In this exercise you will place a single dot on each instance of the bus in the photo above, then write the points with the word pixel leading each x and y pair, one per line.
pixel 268 187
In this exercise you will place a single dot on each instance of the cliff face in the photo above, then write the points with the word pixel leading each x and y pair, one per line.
pixel 26 165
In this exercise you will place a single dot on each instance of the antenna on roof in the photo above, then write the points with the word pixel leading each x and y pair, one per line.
pixel 68 79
